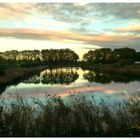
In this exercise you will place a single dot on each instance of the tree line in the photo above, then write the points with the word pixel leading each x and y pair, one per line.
pixel 107 56
pixel 56 55
pixel 98 56
pixel 31 58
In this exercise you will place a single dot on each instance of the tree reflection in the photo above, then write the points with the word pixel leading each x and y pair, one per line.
pixel 108 77
pixel 62 76
pixel 35 80
pixel 98 77
pixel 59 77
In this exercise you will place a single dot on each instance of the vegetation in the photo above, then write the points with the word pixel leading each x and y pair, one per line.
pixel 31 58
pixel 71 116
pixel 53 57
pixel 67 56
pixel 14 75
pixel 2 69
pixel 103 55
pixel 138 56
pixel 15 61
pixel 59 56
pixel 123 56
pixel 15 55
pixel 13 64
pixel 47 56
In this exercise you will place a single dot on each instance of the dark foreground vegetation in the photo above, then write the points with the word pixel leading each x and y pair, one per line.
pixel 71 116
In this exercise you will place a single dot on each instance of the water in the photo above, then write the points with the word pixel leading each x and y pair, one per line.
pixel 66 81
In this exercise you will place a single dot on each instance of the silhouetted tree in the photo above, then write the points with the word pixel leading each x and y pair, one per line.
pixel 103 55
pixel 59 55
pixel 106 55
pixel 137 56
pixel 124 54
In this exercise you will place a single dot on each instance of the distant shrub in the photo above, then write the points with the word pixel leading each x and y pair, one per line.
pixel 123 62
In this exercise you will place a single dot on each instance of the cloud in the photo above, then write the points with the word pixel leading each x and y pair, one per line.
pixel 79 17
pixel 61 35
pixel 130 29
pixel 12 11
pixel 34 34
pixel 119 10
pixel 61 21
pixel 97 40
pixel 131 43
pixel 91 48
pixel 73 12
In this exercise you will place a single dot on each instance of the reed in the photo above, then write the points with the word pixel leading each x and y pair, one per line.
pixel 75 115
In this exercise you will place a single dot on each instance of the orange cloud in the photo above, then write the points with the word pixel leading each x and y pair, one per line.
pixel 12 10
pixel 39 34
pixel 134 28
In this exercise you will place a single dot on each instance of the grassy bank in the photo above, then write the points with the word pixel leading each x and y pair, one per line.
pixel 74 116
pixel 12 74
pixel 16 74
pixel 115 68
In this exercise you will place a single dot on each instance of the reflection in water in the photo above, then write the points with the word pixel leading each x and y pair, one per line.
pixel 96 77
pixel 102 77
pixel 59 77
pixel 73 80
pixel 35 79
pixel 62 76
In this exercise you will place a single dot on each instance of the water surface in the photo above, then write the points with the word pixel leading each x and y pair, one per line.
pixel 66 81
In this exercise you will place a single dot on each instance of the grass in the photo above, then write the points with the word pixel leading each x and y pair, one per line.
pixel 16 74
pixel 11 72
pixel 132 70
pixel 74 115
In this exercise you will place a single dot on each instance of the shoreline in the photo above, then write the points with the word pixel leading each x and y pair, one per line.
pixel 14 75
pixel 18 74
pixel 133 69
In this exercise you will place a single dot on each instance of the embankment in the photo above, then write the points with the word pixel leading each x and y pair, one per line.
pixel 16 74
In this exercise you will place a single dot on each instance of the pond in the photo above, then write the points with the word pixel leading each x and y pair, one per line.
pixel 66 81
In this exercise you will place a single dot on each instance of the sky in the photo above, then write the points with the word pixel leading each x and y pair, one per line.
pixel 77 26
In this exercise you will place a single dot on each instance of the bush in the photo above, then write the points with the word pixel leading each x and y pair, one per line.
pixel 123 62
pixel 2 69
